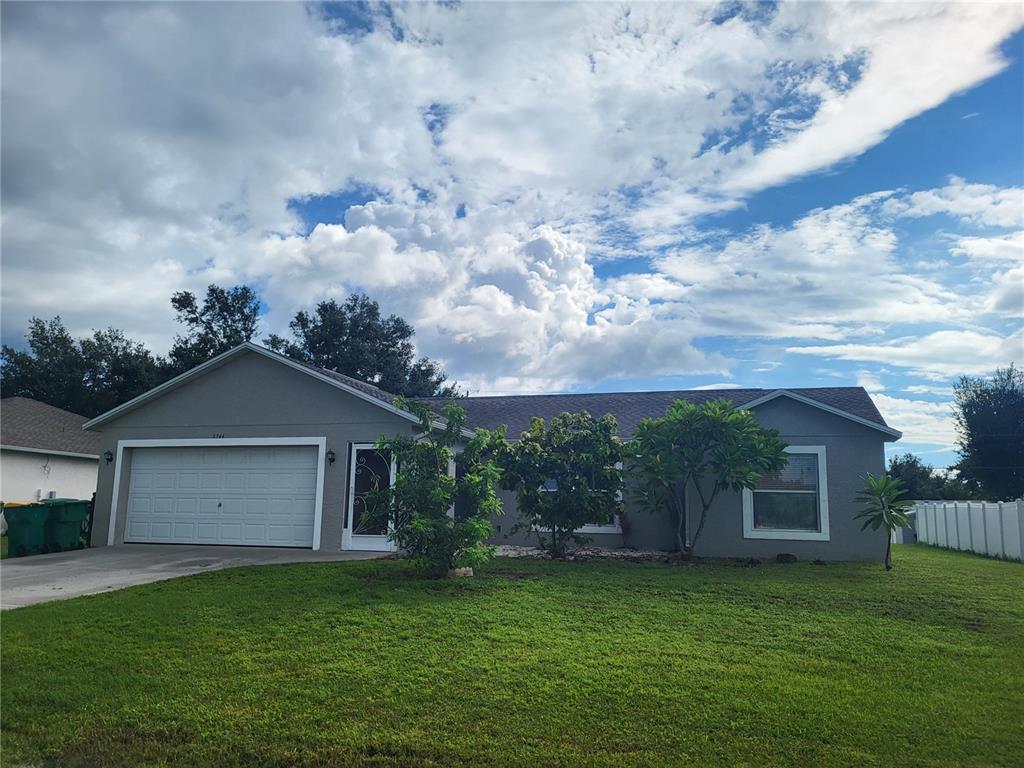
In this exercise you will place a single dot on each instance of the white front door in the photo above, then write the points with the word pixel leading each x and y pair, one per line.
pixel 368 470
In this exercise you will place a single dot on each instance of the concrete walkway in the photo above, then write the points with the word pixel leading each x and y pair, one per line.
pixel 41 578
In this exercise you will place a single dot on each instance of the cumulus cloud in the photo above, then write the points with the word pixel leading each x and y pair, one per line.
pixel 163 150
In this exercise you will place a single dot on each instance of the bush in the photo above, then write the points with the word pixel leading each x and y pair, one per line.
pixel 421 500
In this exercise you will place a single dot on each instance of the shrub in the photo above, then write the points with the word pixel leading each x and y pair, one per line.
pixel 420 503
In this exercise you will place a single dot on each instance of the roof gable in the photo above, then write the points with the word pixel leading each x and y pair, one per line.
pixel 359 389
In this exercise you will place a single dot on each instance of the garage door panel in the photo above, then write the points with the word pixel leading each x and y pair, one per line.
pixel 256 495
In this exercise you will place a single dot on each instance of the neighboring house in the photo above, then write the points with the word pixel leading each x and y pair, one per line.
pixel 253 448
pixel 44 452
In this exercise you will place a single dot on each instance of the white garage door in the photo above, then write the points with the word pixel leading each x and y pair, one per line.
pixel 254 495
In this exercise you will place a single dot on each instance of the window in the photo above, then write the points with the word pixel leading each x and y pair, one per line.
pixel 614 526
pixel 792 503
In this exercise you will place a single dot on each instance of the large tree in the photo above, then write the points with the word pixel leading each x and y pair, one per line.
pixel 353 338
pixel 704 449
pixel 86 376
pixel 989 415
pixel 922 481
pixel 225 318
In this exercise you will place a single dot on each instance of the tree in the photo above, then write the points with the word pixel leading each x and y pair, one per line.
pixel 989 416
pixel 86 376
pixel 354 339
pixel 692 446
pixel 922 481
pixel 226 318
pixel 564 477
pixel 117 369
pixel 420 503
pixel 884 507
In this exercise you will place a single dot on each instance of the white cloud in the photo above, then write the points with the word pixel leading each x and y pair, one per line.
pixel 919 420
pixel 986 251
pixel 159 151
pixel 906 71
pixel 929 389
pixel 980 204
pixel 720 385
pixel 943 353
pixel 1007 295
pixel 869 381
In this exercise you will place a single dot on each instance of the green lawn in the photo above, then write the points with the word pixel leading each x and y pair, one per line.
pixel 530 663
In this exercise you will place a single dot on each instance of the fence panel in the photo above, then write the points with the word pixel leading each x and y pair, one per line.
pixel 986 527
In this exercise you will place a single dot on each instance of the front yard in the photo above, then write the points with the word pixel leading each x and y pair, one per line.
pixel 530 663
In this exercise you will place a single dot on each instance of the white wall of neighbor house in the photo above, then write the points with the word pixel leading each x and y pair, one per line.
pixel 28 476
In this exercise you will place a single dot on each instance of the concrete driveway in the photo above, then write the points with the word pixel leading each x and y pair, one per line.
pixel 41 578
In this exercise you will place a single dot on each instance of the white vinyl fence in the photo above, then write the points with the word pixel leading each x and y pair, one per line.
pixel 993 528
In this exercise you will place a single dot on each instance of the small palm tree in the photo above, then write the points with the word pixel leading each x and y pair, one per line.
pixel 884 507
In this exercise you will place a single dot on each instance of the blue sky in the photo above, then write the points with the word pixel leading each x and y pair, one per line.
pixel 585 197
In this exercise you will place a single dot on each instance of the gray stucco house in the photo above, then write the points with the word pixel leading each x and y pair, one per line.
pixel 255 449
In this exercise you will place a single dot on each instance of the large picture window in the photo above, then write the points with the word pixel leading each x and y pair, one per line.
pixel 791 503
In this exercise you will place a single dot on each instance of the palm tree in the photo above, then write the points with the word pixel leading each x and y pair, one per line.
pixel 884 508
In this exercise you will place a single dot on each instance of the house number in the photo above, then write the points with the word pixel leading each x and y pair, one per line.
pixel 218 434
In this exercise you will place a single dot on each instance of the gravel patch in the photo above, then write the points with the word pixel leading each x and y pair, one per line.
pixel 590 553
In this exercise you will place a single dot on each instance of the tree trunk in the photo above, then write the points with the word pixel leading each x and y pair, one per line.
pixel 888 553
pixel 700 526
pixel 682 522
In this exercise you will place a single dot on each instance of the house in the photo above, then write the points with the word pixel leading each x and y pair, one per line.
pixel 44 452
pixel 252 448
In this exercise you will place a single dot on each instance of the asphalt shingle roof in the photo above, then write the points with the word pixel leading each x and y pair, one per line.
pixel 628 408
pixel 27 423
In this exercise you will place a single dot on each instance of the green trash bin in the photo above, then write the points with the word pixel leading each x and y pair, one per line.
pixel 64 524
pixel 26 529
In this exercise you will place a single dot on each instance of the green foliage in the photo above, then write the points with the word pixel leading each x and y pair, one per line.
pixel 354 339
pixel 989 415
pixel 226 318
pixel 885 506
pixel 86 376
pixel 706 448
pixel 565 476
pixel 419 503
pixel 921 481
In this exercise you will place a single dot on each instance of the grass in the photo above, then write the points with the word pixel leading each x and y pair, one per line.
pixel 529 663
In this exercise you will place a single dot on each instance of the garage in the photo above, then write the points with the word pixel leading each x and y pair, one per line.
pixel 256 493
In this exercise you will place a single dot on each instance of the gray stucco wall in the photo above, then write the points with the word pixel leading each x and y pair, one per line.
pixel 252 396
pixel 249 396
pixel 852 450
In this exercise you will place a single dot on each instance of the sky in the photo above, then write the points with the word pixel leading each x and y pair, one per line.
pixel 559 197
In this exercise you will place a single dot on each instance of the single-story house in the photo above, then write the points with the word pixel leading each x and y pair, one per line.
pixel 253 448
pixel 44 452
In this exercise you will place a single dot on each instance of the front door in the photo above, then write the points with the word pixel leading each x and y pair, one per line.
pixel 368 470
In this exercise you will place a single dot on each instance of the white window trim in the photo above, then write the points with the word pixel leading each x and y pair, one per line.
pixel 614 527
pixel 319 442
pixel 750 532
pixel 363 542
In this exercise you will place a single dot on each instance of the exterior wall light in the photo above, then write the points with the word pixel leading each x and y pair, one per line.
pixel 108 456
pixel 330 457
